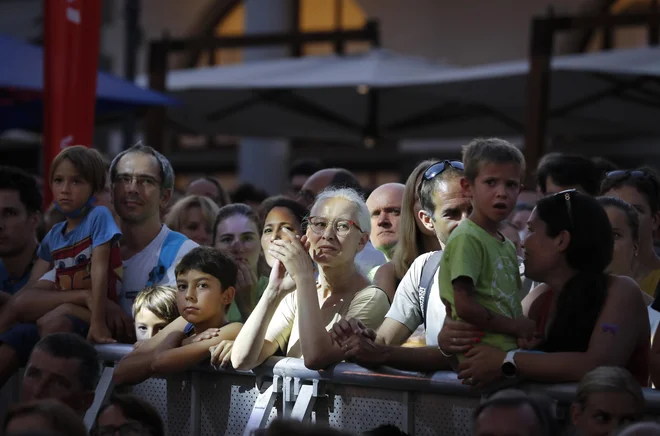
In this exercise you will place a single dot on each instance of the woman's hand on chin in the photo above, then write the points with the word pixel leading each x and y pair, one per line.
pixel 294 255
pixel 482 366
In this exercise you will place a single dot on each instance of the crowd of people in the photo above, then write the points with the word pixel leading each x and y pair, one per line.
pixel 459 269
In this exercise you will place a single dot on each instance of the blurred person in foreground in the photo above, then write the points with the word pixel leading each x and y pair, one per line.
pixel 607 399
pixel 384 205
pixel 368 258
pixel 514 413
pixel 280 427
pixel 649 428
pixel 47 416
pixel 128 415
pixel 62 367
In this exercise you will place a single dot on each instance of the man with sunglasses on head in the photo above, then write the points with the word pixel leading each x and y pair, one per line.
pixel 417 299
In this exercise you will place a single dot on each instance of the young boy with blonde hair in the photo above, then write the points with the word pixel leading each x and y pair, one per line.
pixel 153 309
pixel 479 274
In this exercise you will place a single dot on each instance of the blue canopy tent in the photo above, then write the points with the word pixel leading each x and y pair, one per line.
pixel 21 85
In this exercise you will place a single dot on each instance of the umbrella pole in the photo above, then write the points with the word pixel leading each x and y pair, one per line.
pixel 538 96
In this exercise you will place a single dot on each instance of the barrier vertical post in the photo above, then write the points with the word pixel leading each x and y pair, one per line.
pixel 103 391
pixel 195 405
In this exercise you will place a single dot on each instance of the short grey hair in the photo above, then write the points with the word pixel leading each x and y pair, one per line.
pixel 166 170
pixel 351 195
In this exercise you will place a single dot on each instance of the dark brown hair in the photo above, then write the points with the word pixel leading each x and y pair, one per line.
pixel 87 161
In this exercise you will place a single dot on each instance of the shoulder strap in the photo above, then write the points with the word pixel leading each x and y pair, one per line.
pixel 426 281
pixel 168 251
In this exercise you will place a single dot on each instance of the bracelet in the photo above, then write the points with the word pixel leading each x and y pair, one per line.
pixel 448 356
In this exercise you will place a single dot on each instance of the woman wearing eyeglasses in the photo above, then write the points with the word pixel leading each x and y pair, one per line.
pixel 588 318
pixel 640 188
pixel 296 311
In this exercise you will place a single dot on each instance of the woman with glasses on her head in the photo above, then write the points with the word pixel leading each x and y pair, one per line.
pixel 296 311
pixel 586 317
pixel 414 238
pixel 640 188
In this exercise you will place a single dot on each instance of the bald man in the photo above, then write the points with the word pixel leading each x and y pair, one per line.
pixel 384 205
pixel 327 178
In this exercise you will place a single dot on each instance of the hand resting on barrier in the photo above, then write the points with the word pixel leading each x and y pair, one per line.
pixel 345 328
pixel 221 354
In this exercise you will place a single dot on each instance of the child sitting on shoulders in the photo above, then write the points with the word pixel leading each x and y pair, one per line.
pixel 479 274
pixel 153 309
pixel 205 280
pixel 83 249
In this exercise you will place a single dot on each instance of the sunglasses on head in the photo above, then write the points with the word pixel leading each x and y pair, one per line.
pixel 440 167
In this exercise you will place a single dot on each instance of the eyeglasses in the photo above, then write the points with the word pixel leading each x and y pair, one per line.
pixel 141 181
pixel 319 224
pixel 128 429
pixel 567 196
pixel 440 167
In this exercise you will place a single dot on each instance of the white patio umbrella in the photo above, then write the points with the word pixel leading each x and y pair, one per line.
pixel 604 93
pixel 347 97
pixel 382 94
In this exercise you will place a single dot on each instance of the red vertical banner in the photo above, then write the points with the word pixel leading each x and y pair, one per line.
pixel 71 53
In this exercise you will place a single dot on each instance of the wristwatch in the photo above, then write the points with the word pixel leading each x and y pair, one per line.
pixel 509 368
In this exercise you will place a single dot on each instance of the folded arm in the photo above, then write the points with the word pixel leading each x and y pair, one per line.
pixel 181 358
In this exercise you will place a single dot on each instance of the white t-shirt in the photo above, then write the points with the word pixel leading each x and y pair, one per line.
pixel 368 259
pixel 137 268
pixel 406 307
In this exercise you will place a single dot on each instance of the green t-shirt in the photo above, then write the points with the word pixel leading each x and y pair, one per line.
pixel 233 314
pixel 492 265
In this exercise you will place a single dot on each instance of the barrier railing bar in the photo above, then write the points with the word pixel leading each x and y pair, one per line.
pixel 442 382
pixel 101 394
pixel 195 405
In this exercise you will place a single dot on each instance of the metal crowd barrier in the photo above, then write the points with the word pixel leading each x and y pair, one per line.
pixel 204 401
pixel 346 396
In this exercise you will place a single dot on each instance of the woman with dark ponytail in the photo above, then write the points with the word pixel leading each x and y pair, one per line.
pixel 586 318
